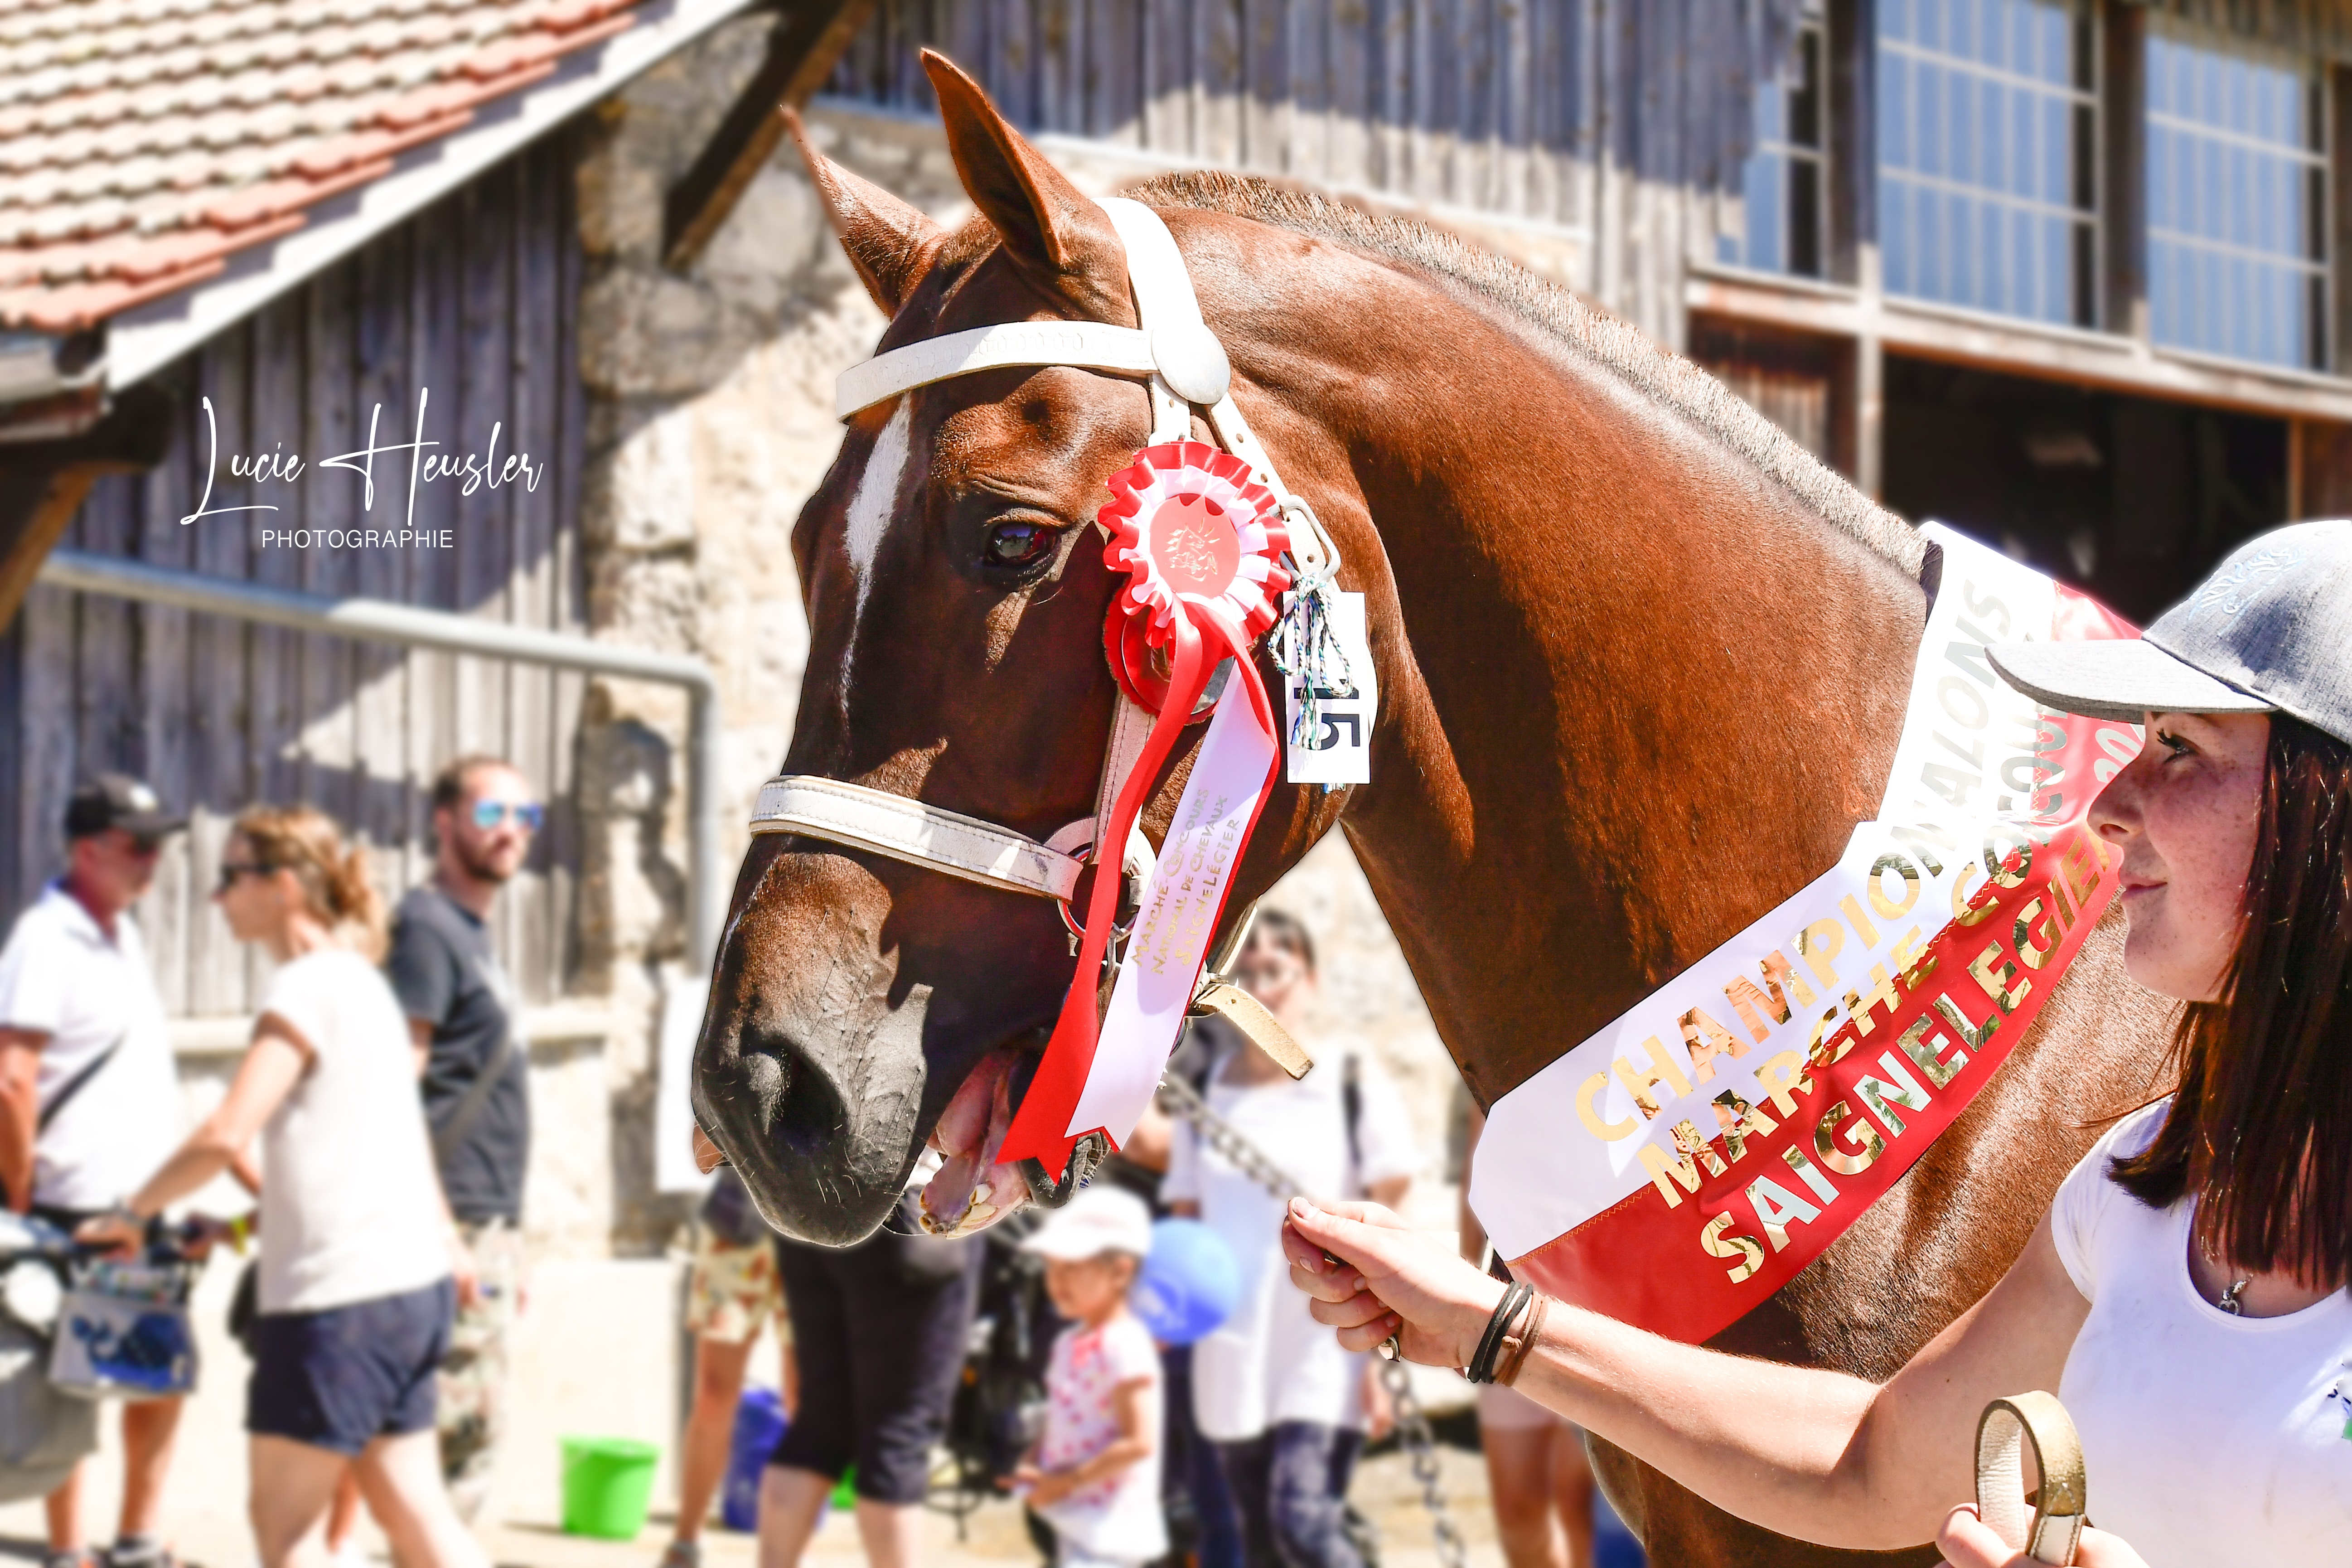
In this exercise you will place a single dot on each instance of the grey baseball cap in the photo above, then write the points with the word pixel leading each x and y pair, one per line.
pixel 2269 632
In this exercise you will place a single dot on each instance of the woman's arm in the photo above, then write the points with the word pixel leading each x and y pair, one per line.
pixel 273 1064
pixel 1814 1455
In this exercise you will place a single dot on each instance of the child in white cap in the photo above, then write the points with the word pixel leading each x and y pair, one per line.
pixel 1095 1473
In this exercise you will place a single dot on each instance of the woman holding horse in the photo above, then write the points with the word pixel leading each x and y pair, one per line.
pixel 2208 1233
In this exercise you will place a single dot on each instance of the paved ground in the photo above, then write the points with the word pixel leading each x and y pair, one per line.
pixel 215 1536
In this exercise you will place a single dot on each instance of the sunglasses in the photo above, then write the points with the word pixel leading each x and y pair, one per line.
pixel 232 870
pixel 528 814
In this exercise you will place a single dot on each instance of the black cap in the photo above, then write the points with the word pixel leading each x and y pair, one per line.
pixel 118 800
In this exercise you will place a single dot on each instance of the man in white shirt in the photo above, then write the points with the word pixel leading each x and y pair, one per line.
pixel 89 1101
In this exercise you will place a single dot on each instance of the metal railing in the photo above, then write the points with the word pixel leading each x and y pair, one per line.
pixel 406 625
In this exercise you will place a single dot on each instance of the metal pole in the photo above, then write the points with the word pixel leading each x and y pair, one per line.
pixel 376 620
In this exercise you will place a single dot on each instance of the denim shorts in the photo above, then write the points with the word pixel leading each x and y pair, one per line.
pixel 341 1378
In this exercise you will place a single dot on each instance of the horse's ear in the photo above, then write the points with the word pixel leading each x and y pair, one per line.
pixel 1048 225
pixel 889 242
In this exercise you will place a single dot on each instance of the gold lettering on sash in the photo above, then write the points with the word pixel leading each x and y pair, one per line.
pixel 1888 910
pixel 1745 1247
pixel 1913 971
pixel 1809 1174
pixel 2035 918
pixel 1609 1132
pixel 1897 1088
pixel 1738 1119
pixel 1860 1006
pixel 1817 1050
pixel 1914 1043
pixel 1850 908
pixel 1973 1036
pixel 1918 841
pixel 1997 985
pixel 1708 1040
pixel 1825 1135
pixel 2080 867
pixel 1637 1080
pixel 1963 912
pixel 1778 1208
pixel 1997 865
pixel 1779 1075
pixel 1684 1171
pixel 1817 944
pixel 1752 1005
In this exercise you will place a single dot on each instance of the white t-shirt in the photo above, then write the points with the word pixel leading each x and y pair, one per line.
pixel 1116 1518
pixel 61 976
pixel 349 1208
pixel 1270 1362
pixel 2208 1440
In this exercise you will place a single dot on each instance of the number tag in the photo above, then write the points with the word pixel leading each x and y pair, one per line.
pixel 1335 747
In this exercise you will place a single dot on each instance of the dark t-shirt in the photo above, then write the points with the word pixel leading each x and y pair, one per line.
pixel 442 969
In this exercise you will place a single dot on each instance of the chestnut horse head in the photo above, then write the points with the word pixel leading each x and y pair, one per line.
pixel 956 619
pixel 1643 664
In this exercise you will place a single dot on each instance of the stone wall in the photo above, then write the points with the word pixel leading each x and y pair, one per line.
pixel 711 423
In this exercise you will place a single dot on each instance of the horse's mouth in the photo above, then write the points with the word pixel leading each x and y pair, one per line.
pixel 972 1189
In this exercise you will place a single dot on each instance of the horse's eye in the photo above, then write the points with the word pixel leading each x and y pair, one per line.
pixel 1018 543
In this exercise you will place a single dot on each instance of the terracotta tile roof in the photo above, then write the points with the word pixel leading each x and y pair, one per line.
pixel 144 141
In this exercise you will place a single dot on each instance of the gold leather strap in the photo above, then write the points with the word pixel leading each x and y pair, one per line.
pixel 2049 1534
pixel 1247 1013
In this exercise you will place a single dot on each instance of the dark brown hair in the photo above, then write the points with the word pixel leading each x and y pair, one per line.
pixel 2260 1125
pixel 1282 928
pixel 449 784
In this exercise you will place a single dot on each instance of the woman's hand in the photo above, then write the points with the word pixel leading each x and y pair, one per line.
pixel 1389 1280
pixel 1967 1542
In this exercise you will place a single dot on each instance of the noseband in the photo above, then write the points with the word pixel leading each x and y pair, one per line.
pixel 1185 365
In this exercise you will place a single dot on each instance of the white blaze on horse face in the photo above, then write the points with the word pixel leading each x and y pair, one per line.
pixel 869 514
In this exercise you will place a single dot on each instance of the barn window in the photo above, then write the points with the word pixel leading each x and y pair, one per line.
pixel 1782 184
pixel 1988 174
pixel 2237 199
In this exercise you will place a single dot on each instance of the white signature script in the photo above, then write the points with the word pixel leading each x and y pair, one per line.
pixel 277 466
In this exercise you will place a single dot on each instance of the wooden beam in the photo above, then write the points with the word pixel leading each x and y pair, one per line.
pixel 806 43
pixel 36 506
pixel 42 484
pixel 2122 106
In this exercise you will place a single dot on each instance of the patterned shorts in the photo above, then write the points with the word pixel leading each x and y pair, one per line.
pixel 733 1292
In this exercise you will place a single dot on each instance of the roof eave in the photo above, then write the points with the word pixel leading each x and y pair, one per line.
pixel 144 339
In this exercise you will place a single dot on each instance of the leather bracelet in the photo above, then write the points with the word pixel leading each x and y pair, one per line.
pixel 1482 1362
pixel 1517 1347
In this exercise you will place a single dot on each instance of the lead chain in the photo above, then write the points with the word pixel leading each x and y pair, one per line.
pixel 1413 1426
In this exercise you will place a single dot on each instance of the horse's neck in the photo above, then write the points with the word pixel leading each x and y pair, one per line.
pixel 1643 694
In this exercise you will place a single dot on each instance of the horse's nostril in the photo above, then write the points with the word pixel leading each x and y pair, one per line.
pixel 764 1080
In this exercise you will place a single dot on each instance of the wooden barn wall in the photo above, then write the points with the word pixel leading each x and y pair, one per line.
pixel 474 299
pixel 1533 110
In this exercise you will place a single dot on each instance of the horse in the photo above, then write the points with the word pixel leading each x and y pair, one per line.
pixel 1643 665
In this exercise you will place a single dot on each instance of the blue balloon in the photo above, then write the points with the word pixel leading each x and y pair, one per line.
pixel 1189 1285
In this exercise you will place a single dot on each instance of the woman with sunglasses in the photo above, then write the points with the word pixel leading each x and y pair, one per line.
pixel 2186 1293
pixel 355 1293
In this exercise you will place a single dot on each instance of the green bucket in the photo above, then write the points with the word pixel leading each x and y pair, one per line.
pixel 607 1482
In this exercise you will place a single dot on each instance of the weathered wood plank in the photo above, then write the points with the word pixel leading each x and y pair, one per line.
pixel 380 379
pixel 172 910
pixel 220 667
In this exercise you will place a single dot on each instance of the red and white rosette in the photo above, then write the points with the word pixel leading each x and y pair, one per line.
pixel 1201 543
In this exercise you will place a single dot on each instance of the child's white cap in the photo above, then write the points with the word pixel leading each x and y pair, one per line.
pixel 1096 1220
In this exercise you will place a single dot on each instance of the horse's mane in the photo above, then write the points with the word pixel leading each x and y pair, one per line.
pixel 1606 340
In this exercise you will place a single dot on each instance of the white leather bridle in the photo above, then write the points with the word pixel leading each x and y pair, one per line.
pixel 1186 365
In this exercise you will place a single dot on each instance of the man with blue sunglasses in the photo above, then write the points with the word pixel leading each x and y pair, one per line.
pixel 473 1064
